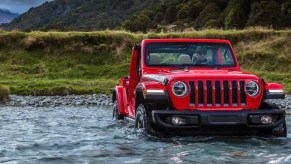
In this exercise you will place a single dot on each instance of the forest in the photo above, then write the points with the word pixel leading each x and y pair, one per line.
pixel 154 15
pixel 225 14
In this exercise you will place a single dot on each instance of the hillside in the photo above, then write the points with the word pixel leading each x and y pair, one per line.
pixel 154 15
pixel 60 63
pixel 79 15
pixel 201 14
pixel 6 16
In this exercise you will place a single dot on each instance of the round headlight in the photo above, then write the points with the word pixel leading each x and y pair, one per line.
pixel 252 88
pixel 180 89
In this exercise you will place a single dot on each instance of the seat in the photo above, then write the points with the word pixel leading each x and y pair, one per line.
pixel 184 59
pixel 155 59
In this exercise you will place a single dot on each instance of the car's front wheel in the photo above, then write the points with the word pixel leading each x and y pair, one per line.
pixel 144 122
pixel 280 131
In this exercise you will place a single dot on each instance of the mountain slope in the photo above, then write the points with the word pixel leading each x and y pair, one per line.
pixel 79 14
pixel 155 15
pixel 7 16
pixel 199 14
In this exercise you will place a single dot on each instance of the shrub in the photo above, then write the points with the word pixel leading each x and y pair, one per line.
pixel 210 12
pixel 4 93
pixel 261 10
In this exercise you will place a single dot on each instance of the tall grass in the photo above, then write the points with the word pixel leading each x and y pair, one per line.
pixel 61 63
pixel 4 93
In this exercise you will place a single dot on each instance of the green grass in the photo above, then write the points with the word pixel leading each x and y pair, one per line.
pixel 279 77
pixel 61 63
pixel 4 93
pixel 60 86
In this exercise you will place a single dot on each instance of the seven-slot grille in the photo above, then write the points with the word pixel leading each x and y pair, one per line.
pixel 217 93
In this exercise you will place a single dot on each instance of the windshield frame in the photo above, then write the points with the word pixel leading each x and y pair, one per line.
pixel 226 45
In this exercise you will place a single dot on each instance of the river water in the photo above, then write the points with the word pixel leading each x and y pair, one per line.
pixel 89 135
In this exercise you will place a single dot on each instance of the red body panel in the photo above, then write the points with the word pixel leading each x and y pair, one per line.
pixel 152 85
pixel 122 99
pixel 274 86
pixel 182 103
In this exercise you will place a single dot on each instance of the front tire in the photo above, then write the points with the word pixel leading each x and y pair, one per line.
pixel 144 122
pixel 280 131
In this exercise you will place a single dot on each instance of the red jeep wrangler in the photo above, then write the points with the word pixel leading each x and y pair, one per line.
pixel 195 86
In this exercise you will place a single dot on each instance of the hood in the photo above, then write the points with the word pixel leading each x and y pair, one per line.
pixel 198 74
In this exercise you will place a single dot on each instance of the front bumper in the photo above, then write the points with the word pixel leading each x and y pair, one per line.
pixel 218 121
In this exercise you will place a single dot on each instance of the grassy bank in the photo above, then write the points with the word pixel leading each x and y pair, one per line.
pixel 61 63
pixel 4 93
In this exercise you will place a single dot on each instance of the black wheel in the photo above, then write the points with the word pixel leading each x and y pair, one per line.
pixel 116 114
pixel 280 131
pixel 144 122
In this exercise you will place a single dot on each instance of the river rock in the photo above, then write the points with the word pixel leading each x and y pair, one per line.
pixel 54 101
pixel 91 100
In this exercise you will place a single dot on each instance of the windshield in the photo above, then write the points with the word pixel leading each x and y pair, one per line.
pixel 187 54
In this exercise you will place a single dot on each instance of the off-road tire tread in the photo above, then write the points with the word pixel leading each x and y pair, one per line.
pixel 115 111
pixel 148 125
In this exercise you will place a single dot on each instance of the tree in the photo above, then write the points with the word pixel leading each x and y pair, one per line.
pixel 266 13
pixel 130 24
pixel 212 24
pixel 287 20
pixel 221 4
pixel 161 8
pixel 183 13
pixel 286 7
pixel 194 10
pixel 148 13
pixel 170 15
pixel 159 18
pixel 237 13
pixel 210 13
pixel 140 23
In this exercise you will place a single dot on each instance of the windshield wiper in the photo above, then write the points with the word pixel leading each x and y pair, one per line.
pixel 186 66
pixel 205 65
pixel 181 66
pixel 201 64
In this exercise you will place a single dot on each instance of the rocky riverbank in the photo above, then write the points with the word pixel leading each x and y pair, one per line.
pixel 90 100
pixel 54 101
pixel 284 103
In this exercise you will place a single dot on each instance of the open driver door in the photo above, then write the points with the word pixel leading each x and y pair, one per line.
pixel 134 78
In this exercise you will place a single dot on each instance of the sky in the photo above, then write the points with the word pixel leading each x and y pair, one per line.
pixel 20 6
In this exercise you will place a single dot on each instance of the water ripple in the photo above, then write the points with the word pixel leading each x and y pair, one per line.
pixel 89 135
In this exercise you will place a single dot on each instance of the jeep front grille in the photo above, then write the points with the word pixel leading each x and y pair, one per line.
pixel 217 93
